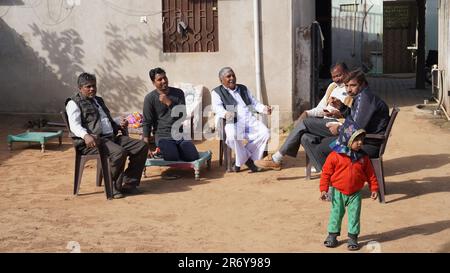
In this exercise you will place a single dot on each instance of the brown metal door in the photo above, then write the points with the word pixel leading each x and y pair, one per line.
pixel 399 28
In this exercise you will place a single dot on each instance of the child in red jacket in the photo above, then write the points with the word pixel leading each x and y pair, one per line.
pixel 346 169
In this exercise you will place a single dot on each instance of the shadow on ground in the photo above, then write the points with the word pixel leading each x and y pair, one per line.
pixel 414 188
pixel 155 184
pixel 396 234
pixel 414 163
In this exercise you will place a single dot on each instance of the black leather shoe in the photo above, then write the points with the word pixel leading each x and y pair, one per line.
pixel 251 165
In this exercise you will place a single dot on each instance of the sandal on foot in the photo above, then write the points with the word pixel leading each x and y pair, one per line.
pixel 352 244
pixel 331 241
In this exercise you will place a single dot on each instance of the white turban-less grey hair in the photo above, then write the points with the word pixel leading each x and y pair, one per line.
pixel 224 70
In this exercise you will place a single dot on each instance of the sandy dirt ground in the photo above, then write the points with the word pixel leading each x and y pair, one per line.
pixel 224 212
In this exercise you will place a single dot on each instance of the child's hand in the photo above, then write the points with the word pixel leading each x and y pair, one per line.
pixel 374 195
pixel 323 196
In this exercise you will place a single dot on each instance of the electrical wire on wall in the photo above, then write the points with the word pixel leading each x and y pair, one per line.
pixel 55 20
pixel 140 13
pixel 54 23
pixel 131 12
pixel 6 12
pixel 59 12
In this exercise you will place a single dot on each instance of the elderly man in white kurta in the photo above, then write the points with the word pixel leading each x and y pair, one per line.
pixel 246 135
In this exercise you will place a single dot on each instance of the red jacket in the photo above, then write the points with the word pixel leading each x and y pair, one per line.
pixel 346 176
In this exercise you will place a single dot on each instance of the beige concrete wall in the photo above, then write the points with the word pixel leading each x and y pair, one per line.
pixel 44 47
pixel 444 45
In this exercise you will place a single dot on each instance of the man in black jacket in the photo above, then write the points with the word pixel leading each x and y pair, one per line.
pixel 91 125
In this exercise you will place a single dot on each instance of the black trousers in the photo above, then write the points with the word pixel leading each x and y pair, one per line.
pixel 118 148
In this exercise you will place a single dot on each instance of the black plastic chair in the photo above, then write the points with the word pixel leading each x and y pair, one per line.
pixel 224 150
pixel 378 161
pixel 102 164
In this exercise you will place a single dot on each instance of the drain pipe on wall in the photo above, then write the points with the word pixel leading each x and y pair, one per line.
pixel 256 17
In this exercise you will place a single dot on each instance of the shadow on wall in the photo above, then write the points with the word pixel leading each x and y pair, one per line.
pixel 124 93
pixel 64 53
pixel 35 85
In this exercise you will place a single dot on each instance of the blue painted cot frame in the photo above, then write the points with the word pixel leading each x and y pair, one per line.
pixel 205 158
pixel 41 137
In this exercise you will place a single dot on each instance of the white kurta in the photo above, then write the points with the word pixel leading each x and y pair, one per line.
pixel 338 92
pixel 247 128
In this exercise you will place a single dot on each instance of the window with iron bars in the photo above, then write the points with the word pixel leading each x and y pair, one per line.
pixel 190 26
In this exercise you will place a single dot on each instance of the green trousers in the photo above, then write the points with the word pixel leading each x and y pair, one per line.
pixel 338 204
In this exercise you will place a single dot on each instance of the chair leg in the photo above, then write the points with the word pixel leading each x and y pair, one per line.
pixel 79 167
pixel 106 170
pixel 220 152
pixel 378 167
pixel 307 168
pixel 99 173
pixel 382 175
pixel 225 159
pixel 228 162
pixel 225 155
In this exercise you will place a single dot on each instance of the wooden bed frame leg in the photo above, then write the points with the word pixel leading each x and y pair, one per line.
pixel 197 174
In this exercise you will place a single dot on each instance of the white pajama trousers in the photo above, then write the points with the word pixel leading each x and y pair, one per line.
pixel 257 136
